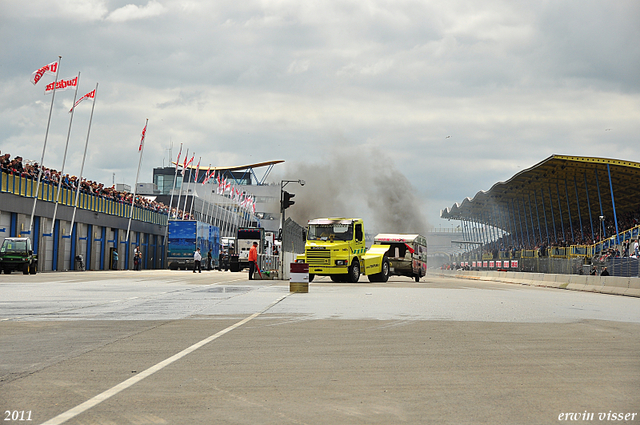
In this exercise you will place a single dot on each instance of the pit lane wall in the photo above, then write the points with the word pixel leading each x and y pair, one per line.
pixel 100 228
pixel 628 286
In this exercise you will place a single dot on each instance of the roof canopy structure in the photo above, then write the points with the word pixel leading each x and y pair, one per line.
pixel 559 199
pixel 248 169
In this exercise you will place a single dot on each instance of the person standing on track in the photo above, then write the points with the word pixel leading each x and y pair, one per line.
pixel 253 259
pixel 197 258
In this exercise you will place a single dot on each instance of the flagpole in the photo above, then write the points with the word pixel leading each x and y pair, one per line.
pixel 195 187
pixel 44 148
pixel 175 180
pixel 184 209
pixel 133 198
pixel 181 183
pixel 203 198
pixel 64 160
pixel 86 144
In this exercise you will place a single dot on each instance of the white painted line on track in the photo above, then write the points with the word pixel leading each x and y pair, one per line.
pixel 71 413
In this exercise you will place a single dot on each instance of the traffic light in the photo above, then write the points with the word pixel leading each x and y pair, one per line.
pixel 286 200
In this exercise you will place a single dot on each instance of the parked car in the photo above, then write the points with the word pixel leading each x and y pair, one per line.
pixel 17 254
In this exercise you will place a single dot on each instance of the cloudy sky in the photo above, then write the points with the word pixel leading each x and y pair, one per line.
pixel 454 95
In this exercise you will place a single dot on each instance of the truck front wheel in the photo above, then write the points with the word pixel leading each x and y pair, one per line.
pixel 383 276
pixel 354 271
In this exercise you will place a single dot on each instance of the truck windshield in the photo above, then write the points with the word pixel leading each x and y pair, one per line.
pixel 14 246
pixel 330 232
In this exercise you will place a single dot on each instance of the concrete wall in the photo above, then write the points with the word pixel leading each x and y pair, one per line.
pixel 629 286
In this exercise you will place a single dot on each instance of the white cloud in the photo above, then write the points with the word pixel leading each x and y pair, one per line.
pixel 254 80
pixel 133 12
pixel 79 10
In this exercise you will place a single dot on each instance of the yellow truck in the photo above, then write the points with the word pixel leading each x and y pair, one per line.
pixel 335 247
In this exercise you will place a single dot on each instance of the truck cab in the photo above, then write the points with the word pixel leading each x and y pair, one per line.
pixel 335 247
pixel 17 254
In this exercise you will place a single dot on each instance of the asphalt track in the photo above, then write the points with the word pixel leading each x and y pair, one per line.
pixel 165 347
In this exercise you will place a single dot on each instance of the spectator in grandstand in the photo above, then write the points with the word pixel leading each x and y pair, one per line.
pixel 4 161
pixel 49 175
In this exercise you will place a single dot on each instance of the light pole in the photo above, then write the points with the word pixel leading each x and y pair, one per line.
pixel 283 207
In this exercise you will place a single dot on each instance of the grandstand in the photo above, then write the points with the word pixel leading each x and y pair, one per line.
pixel 564 215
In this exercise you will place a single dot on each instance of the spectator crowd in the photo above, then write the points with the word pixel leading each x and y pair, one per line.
pixel 31 170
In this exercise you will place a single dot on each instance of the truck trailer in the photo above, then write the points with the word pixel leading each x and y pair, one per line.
pixel 407 253
pixel 245 238
pixel 187 235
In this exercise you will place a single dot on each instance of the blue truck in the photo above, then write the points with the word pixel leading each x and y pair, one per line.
pixel 187 235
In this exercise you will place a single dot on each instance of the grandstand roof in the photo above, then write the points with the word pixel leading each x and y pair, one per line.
pixel 555 186
pixel 237 167
pixel 249 169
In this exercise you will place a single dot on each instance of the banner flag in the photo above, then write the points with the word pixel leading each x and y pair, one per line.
pixel 208 175
pixel 51 68
pixel 144 131
pixel 68 84
pixel 90 95
pixel 197 171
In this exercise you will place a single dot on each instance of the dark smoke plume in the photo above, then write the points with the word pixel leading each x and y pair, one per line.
pixel 355 182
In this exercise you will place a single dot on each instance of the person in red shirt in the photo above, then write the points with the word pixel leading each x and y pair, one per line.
pixel 253 259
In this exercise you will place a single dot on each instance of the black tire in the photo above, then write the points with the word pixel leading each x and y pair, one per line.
pixel 33 269
pixel 25 269
pixel 7 271
pixel 383 276
pixel 417 276
pixel 311 276
pixel 336 278
pixel 354 271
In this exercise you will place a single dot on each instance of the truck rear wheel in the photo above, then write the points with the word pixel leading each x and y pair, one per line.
pixel 354 271
pixel 33 268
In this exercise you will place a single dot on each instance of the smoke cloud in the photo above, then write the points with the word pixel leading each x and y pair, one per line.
pixel 356 182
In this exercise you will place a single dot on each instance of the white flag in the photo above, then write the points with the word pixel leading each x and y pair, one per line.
pixel 52 68
pixel 68 84
pixel 90 95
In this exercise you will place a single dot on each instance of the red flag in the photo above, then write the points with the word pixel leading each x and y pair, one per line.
pixel 208 176
pixel 197 170
pixel 144 132
pixel 178 160
pixel 52 68
pixel 90 95
pixel 70 83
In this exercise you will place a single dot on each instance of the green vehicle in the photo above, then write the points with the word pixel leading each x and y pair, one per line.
pixel 16 254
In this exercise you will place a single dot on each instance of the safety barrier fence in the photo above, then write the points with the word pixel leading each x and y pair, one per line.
pixel 26 187
pixel 573 251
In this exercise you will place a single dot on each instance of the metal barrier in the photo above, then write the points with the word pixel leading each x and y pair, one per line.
pixel 558 252
pixel 268 262
pixel 26 187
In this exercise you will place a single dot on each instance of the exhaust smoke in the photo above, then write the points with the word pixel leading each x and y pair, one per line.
pixel 351 182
